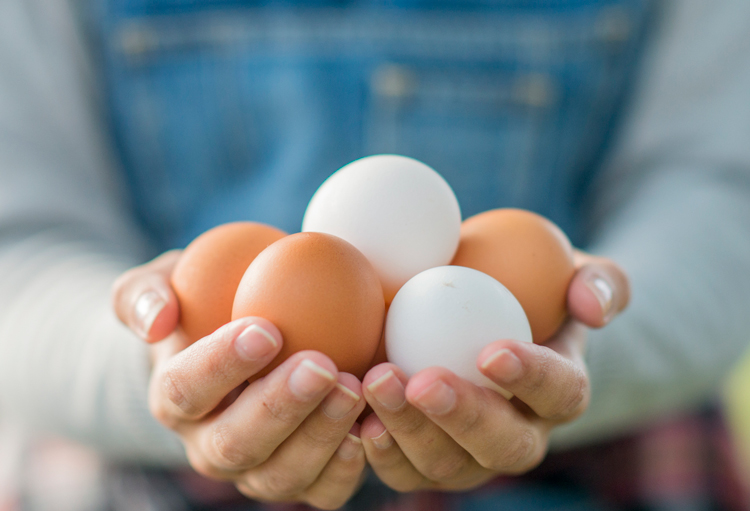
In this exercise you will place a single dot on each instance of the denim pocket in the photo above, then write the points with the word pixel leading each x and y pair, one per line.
pixel 479 127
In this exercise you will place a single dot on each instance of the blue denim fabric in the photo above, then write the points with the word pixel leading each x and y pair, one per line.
pixel 227 110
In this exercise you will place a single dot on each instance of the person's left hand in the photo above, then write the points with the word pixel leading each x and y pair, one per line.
pixel 439 431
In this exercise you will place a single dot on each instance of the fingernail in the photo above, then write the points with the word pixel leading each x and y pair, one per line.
pixel 383 441
pixel 340 402
pixel 308 379
pixel 147 308
pixel 254 343
pixel 603 292
pixel 504 365
pixel 388 391
pixel 349 447
pixel 437 399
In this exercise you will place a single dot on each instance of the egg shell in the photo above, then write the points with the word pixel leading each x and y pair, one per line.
pixel 445 316
pixel 529 255
pixel 400 213
pixel 322 294
pixel 209 270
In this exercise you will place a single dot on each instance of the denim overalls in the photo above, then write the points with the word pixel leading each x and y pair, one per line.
pixel 228 109
pixel 231 109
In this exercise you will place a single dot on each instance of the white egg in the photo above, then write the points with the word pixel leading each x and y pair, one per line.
pixel 400 213
pixel 445 316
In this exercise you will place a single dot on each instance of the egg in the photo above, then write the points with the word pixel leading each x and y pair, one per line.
pixel 400 213
pixel 529 255
pixel 321 293
pixel 444 316
pixel 209 270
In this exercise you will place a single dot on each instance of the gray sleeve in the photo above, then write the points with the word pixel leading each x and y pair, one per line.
pixel 67 366
pixel 673 208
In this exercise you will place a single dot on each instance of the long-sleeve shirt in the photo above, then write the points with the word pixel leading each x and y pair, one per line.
pixel 672 207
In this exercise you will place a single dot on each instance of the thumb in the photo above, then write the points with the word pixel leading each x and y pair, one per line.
pixel 143 299
pixel 599 290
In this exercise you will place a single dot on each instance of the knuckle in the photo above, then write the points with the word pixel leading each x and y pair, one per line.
pixel 409 427
pixel 327 502
pixel 471 419
pixel 230 453
pixel 446 469
pixel 332 498
pixel 158 412
pixel 320 437
pixel 538 377
pixel 533 458
pixel 406 484
pixel 575 402
pixel 210 355
pixel 247 490
pixel 398 475
pixel 282 484
pixel 200 464
pixel 176 395
pixel 537 457
pixel 158 409
pixel 515 456
pixel 277 409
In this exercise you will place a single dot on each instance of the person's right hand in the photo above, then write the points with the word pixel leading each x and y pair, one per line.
pixel 289 436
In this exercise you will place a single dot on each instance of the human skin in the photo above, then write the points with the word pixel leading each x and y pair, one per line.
pixel 433 431
pixel 438 431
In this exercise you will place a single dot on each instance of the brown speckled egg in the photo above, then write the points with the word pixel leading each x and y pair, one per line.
pixel 529 255
pixel 322 294
pixel 206 276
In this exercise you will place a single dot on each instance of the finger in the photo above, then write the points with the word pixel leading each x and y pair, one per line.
pixel 471 415
pixel 387 460
pixel 342 476
pixel 266 413
pixel 299 460
pixel 553 385
pixel 192 382
pixel 430 449
pixel 144 301
pixel 570 342
pixel 598 291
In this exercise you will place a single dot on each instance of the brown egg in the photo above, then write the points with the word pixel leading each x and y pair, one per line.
pixel 322 294
pixel 206 276
pixel 529 255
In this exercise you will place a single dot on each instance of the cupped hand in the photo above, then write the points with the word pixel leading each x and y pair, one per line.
pixel 439 431
pixel 289 436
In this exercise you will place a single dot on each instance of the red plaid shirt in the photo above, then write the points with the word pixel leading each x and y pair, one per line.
pixel 688 462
